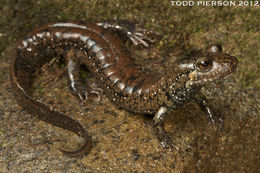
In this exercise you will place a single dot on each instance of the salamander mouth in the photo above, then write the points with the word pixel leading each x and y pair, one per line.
pixel 198 78
pixel 204 78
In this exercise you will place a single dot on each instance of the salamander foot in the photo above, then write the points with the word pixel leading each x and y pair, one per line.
pixel 135 32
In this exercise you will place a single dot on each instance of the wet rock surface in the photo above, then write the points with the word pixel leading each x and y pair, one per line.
pixel 123 141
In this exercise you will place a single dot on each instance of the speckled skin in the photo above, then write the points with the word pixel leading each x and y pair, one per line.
pixel 121 80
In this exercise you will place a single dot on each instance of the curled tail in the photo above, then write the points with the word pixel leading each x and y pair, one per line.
pixel 20 79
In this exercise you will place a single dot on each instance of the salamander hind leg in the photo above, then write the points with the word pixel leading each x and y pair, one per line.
pixel 136 33
pixel 79 89
pixel 95 93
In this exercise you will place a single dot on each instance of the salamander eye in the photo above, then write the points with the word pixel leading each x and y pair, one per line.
pixel 204 64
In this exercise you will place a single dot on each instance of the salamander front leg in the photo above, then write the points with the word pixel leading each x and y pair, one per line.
pixel 211 114
pixel 134 32
pixel 158 125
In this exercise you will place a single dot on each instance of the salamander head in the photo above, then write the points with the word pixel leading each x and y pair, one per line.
pixel 208 67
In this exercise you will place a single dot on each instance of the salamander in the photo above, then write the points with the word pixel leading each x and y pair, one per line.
pixel 105 55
